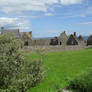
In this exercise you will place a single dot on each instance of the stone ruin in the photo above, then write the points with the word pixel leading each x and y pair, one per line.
pixel 81 41
pixel 72 40
pixel 89 41
pixel 54 41
pixel 24 36
pixel 63 39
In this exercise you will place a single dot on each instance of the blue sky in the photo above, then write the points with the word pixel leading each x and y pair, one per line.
pixel 47 18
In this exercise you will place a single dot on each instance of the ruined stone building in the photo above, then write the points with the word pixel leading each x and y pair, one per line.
pixel 72 40
pixel 54 41
pixel 12 31
pixel 89 41
pixel 24 36
pixel 30 35
pixel 63 39
pixel 81 41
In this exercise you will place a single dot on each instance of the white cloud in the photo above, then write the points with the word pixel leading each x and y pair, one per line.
pixel 48 14
pixel 34 16
pixel 89 11
pixel 69 2
pixel 20 23
pixel 17 6
pixel 86 23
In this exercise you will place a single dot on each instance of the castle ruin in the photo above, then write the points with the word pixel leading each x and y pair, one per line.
pixel 62 40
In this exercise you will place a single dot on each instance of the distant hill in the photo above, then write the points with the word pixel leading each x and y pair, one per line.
pixel 42 38
pixel 85 37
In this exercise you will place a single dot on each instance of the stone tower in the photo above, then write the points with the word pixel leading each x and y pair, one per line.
pixel 30 35
pixel 75 34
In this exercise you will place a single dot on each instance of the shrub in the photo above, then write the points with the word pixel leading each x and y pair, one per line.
pixel 16 75
pixel 35 72
pixel 30 77
pixel 11 59
pixel 83 83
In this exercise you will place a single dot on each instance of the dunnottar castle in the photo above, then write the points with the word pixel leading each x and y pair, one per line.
pixel 62 40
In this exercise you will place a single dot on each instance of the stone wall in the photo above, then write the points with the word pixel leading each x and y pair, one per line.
pixel 39 42
pixel 82 43
pixel 32 49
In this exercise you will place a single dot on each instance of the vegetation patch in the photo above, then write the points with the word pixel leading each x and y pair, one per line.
pixel 16 74
pixel 83 82
pixel 61 67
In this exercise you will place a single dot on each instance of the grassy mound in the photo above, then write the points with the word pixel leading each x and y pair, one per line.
pixel 61 66
pixel 82 82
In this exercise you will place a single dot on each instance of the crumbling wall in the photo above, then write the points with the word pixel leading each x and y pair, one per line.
pixel 72 40
pixel 62 39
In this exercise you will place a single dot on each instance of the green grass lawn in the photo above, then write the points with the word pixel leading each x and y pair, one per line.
pixel 60 66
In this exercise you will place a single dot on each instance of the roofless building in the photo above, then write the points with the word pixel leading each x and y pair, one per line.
pixel 89 41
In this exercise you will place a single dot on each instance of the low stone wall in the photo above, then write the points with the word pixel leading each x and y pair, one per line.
pixel 32 49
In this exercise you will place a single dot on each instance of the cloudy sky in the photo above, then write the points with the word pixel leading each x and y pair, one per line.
pixel 47 18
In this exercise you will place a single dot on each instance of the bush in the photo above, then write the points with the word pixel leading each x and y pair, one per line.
pixel 11 59
pixel 15 74
pixel 83 83
pixel 35 72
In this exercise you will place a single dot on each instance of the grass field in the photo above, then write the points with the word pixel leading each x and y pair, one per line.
pixel 60 66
